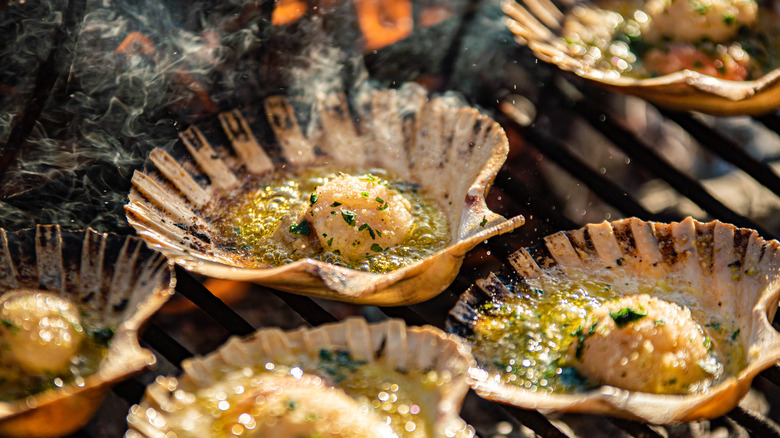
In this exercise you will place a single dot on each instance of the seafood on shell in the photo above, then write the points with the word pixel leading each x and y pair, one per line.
pixel 286 384
pixel 727 278
pixel 115 283
pixel 540 24
pixel 452 152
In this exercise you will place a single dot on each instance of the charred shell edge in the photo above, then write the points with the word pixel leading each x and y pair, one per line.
pixel 734 259
pixel 117 277
pixel 402 347
pixel 404 126
pixel 536 23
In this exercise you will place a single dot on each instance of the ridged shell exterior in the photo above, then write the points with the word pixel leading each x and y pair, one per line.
pixel 538 23
pixel 453 152
pixel 737 272
pixel 115 277
pixel 390 343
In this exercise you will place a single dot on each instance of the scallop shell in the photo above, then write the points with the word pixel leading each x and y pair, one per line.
pixel 737 272
pixel 117 278
pixel 390 343
pixel 537 24
pixel 453 152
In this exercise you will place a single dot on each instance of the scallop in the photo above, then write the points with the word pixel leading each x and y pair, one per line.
pixel 71 305
pixel 649 321
pixel 435 146
pixel 545 27
pixel 335 380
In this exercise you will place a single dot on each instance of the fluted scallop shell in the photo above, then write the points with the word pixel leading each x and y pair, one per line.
pixel 538 23
pixel 453 152
pixel 733 272
pixel 390 343
pixel 115 277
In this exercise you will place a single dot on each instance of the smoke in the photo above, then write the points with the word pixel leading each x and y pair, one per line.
pixel 131 74
pixel 138 72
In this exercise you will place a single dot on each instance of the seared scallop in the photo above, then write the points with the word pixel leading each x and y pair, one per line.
pixel 643 343
pixel 644 320
pixel 359 216
pixel 348 238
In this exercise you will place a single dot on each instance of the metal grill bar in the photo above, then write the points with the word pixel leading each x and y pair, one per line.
pixel 601 186
pixel 307 308
pixel 726 149
pixel 643 155
pixel 194 291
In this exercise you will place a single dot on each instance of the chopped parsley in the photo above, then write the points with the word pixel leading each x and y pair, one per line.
pixel 484 221
pixel 330 242
pixel 313 199
pixel 729 19
pixel 626 316
pixel 364 194
pixel 349 217
pixel 376 248
pixel 734 335
pixel 370 230
pixel 8 324
pixel 379 200
pixel 335 204
pixel 383 206
pixel 302 228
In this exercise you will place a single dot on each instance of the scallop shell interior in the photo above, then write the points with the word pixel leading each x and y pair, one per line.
pixel 538 24
pixel 390 344
pixel 452 151
pixel 724 270
pixel 116 279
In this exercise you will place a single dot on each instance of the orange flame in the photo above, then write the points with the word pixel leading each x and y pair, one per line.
pixel 384 22
pixel 288 11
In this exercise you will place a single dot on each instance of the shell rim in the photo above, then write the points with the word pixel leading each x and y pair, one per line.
pixel 128 330
pixel 737 96
pixel 450 401
pixel 613 401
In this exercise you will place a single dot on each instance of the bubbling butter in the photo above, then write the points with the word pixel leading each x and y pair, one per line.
pixel 45 343
pixel 40 331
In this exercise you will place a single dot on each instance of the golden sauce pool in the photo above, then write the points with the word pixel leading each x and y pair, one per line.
pixel 46 342
pixel 613 37
pixel 408 399
pixel 527 338
pixel 265 222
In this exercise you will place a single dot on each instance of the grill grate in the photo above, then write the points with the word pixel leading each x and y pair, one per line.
pixel 547 215
pixel 521 190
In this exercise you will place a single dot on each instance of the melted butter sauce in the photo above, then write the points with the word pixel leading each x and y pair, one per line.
pixel 525 339
pixel 408 400
pixel 18 382
pixel 623 51
pixel 246 221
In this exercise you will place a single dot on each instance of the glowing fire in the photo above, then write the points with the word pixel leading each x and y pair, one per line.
pixel 383 22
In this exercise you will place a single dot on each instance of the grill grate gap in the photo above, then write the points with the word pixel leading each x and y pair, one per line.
pixel 643 156
pixel 194 291
pixel 727 149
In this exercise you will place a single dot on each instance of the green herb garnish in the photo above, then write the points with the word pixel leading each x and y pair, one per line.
pixel 484 221
pixel 626 316
pixel 302 228
pixel 335 204
pixel 370 230
pixel 376 248
pixel 313 199
pixel 349 217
